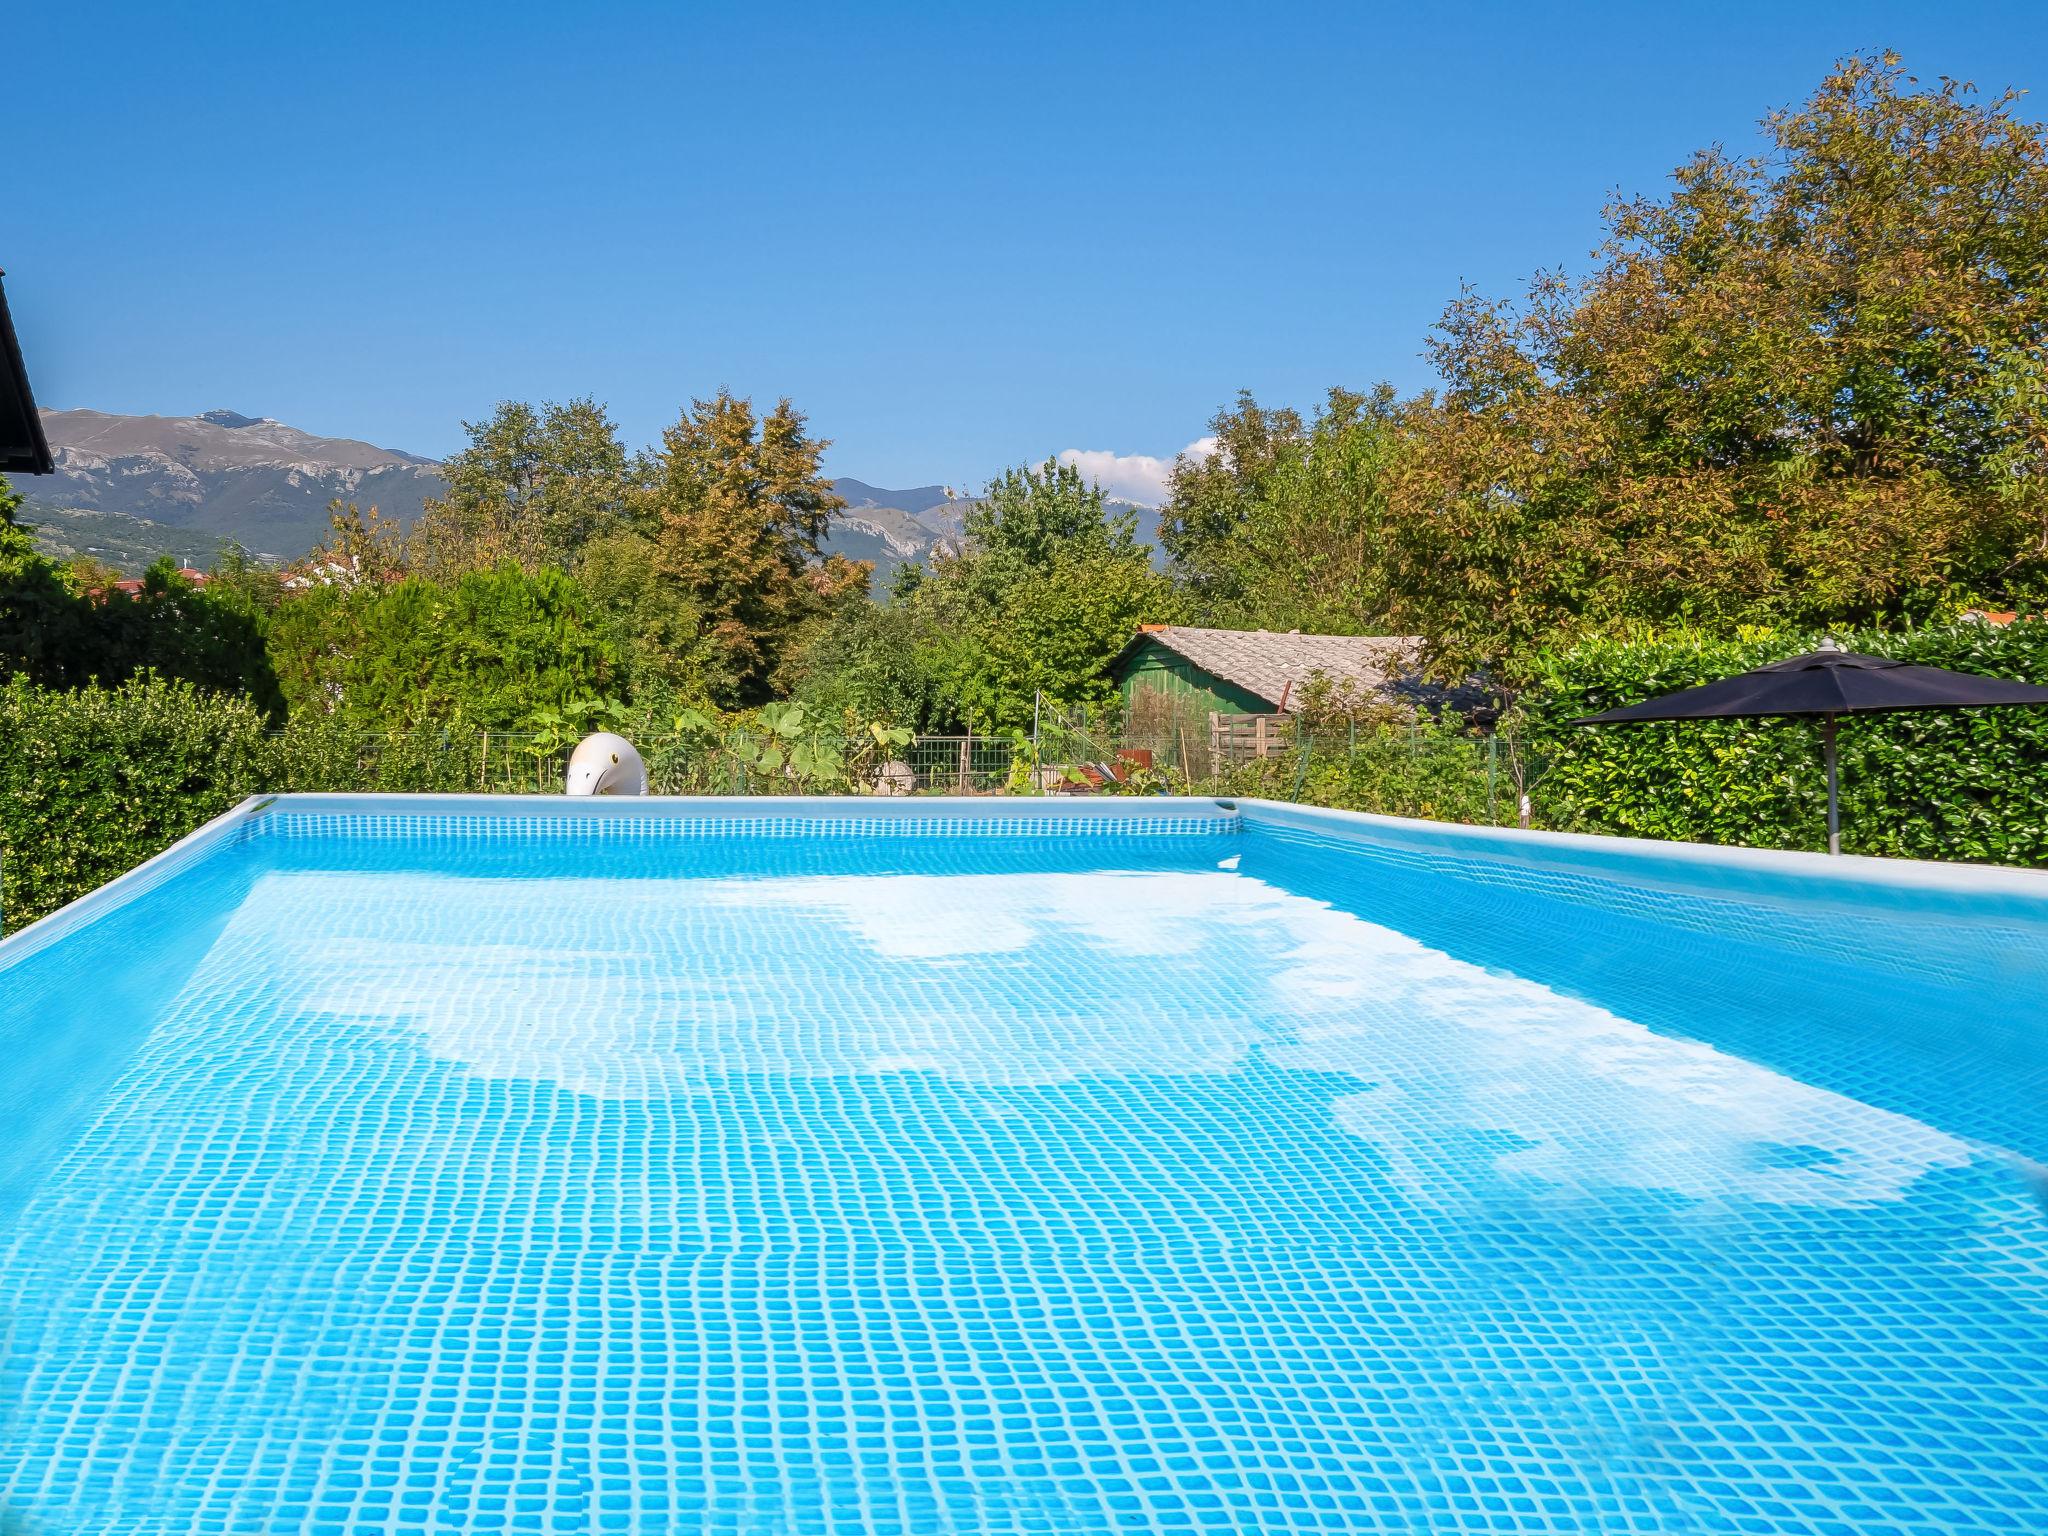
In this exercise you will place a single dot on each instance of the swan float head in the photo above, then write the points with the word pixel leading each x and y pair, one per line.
pixel 605 764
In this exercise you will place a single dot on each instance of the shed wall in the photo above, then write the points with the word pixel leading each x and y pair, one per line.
pixel 1155 669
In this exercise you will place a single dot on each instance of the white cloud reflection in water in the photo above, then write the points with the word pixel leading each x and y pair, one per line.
pixel 624 989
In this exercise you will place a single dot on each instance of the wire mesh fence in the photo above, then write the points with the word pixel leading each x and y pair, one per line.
pixel 1410 769
pixel 1426 771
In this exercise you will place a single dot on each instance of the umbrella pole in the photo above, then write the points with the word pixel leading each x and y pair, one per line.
pixel 1827 736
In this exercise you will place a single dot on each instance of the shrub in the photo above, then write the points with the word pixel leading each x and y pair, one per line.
pixel 326 754
pixel 96 780
pixel 492 648
pixel 1426 768
pixel 1937 784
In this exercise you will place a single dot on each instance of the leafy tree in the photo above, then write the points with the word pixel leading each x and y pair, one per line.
pixel 533 487
pixel 1031 518
pixel 1053 632
pixel 877 661
pixel 46 626
pixel 88 574
pixel 654 621
pixel 1280 527
pixel 1209 501
pixel 1807 386
pixel 736 506
pixel 362 548
pixel 1048 587
pixel 238 577
pixel 177 629
pixel 64 628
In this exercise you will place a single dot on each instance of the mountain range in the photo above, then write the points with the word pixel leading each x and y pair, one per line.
pixel 894 528
pixel 128 489
pixel 137 486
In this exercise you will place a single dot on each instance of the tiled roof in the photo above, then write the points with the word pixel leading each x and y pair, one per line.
pixel 1274 665
pixel 133 585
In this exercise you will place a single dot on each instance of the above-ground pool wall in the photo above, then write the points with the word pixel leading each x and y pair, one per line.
pixel 81 989
pixel 664 837
pixel 1918 988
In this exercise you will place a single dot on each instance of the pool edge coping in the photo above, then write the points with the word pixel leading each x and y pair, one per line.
pixel 710 807
pixel 1610 856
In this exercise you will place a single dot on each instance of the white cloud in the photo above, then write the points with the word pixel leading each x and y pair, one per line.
pixel 1136 477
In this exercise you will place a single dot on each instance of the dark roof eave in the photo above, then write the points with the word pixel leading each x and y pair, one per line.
pixel 20 425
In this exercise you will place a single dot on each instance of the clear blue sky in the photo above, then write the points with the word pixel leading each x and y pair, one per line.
pixel 959 235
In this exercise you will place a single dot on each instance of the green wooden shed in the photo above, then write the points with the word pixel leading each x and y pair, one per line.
pixel 1193 672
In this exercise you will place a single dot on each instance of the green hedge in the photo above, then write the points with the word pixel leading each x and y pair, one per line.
pixel 489 649
pixel 1946 784
pixel 93 782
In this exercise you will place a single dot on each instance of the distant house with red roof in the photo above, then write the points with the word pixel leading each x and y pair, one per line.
pixel 133 585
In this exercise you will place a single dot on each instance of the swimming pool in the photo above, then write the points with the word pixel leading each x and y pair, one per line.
pixel 455 1164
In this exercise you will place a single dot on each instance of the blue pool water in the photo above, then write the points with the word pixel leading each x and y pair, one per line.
pixel 925 1171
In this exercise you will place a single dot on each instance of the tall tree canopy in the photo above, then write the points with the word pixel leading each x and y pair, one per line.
pixel 1047 587
pixel 1279 527
pixel 1034 518
pixel 1807 386
pixel 533 487
pixel 734 508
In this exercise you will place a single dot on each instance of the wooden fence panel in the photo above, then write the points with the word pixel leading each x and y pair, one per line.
pixel 1244 738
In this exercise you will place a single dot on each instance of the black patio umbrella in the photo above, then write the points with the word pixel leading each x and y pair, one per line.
pixel 1824 685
